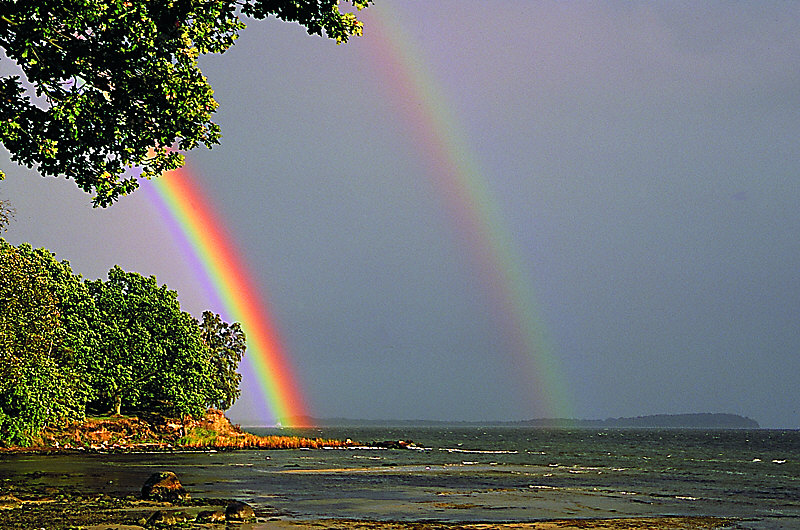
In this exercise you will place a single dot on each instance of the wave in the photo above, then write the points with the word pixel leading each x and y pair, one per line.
pixel 479 451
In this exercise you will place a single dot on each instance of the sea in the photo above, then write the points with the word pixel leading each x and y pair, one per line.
pixel 474 474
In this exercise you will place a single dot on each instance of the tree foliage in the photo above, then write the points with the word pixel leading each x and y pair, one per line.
pixel 151 355
pixel 117 83
pixel 68 346
pixel 227 344
pixel 77 335
pixel 36 386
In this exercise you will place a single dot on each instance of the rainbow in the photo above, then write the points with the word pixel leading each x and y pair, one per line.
pixel 465 188
pixel 211 253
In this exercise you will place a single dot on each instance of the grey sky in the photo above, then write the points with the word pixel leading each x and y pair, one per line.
pixel 645 158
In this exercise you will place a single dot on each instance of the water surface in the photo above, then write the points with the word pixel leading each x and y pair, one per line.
pixel 477 474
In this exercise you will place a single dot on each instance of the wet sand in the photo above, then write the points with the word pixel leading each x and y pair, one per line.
pixel 57 508
pixel 57 492
pixel 562 524
pixel 676 523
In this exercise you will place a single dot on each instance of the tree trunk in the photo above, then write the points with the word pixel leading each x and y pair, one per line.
pixel 118 405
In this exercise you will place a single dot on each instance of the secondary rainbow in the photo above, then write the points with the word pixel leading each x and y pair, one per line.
pixel 210 250
pixel 465 188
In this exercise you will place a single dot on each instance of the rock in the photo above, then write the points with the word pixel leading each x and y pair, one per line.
pixel 164 486
pixel 396 444
pixel 161 518
pixel 238 511
pixel 211 516
pixel 9 502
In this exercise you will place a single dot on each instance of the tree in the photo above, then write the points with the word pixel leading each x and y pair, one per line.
pixel 151 356
pixel 77 335
pixel 35 386
pixel 118 84
pixel 227 345
pixel 67 345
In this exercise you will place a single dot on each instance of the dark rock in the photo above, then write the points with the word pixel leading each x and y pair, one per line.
pixel 159 518
pixel 162 518
pixel 164 486
pixel 211 516
pixel 395 444
pixel 238 511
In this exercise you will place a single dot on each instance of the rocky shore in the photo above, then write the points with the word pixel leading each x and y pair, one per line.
pixel 27 506
pixel 55 500
pixel 162 502
pixel 41 499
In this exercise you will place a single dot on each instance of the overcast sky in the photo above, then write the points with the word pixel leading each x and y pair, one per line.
pixel 643 157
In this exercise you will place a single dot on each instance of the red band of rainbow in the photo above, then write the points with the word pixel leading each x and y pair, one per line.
pixel 213 255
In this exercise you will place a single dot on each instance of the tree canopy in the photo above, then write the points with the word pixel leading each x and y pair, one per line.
pixel 117 83
pixel 227 345
pixel 150 353
pixel 70 346
pixel 36 384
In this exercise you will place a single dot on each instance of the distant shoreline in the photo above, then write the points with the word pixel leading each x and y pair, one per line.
pixel 654 421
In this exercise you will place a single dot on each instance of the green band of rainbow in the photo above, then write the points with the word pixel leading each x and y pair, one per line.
pixel 229 281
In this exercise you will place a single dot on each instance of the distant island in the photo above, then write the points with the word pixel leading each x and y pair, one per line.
pixel 655 421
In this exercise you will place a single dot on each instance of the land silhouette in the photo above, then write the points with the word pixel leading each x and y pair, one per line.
pixel 655 421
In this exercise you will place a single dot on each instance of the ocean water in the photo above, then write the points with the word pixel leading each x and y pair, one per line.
pixel 482 474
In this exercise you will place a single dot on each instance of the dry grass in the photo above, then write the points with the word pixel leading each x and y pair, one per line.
pixel 251 441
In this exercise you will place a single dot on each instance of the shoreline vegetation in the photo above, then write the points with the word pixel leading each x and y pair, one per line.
pixel 153 432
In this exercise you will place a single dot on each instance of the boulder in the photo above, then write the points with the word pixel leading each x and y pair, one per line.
pixel 237 511
pixel 160 518
pixel 164 486
pixel 211 516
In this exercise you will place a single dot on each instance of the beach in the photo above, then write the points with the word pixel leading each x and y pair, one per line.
pixel 70 505
pixel 52 509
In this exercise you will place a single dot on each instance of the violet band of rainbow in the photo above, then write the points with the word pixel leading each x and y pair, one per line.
pixel 210 250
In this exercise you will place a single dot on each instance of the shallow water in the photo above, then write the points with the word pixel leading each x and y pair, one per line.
pixel 479 474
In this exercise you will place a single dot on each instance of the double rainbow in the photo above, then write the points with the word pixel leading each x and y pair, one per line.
pixel 464 187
